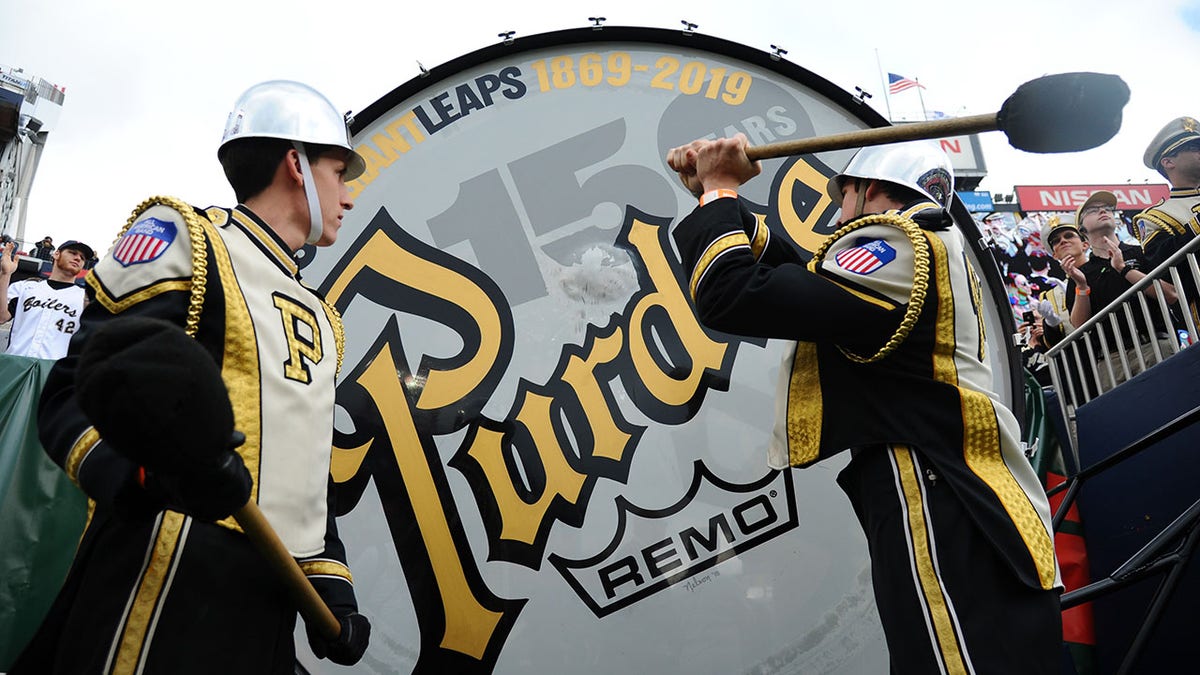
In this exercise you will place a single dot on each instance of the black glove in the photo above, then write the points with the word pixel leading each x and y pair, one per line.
pixel 133 502
pixel 210 494
pixel 349 646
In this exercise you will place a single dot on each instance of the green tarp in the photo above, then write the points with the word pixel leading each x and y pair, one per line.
pixel 42 513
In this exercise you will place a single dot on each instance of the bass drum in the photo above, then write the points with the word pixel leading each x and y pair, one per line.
pixel 544 464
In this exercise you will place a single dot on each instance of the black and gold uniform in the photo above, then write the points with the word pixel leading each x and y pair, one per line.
pixel 889 363
pixel 157 591
pixel 1167 227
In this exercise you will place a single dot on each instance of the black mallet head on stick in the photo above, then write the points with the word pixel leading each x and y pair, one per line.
pixel 155 394
pixel 1067 112
pixel 1056 113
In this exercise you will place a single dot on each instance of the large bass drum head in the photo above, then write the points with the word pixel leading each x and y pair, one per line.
pixel 543 462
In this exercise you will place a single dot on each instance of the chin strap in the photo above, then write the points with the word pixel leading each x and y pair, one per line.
pixel 310 191
pixel 860 185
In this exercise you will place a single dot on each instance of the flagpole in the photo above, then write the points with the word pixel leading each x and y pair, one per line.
pixel 924 115
pixel 882 80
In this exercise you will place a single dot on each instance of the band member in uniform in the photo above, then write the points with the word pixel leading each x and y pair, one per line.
pixel 1169 225
pixel 889 363
pixel 45 313
pixel 172 591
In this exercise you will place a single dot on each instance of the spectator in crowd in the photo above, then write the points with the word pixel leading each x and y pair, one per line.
pixel 1043 276
pixel 44 249
pixel 46 312
pixel 1099 269
pixel 1030 339
pixel 1050 319
pixel 1170 224
pixel 1020 293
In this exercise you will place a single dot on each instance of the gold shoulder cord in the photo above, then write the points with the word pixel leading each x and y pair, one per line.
pixel 920 288
pixel 195 227
pixel 339 333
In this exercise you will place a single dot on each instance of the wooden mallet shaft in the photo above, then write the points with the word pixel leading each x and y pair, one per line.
pixel 880 136
pixel 312 607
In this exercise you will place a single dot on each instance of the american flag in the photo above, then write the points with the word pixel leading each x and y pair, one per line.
pixel 898 83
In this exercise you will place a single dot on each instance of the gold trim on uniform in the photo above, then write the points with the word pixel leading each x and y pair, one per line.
pixel 762 236
pixel 917 208
pixel 1163 220
pixel 217 215
pixel 804 406
pixel 239 366
pixel 863 296
pixel 339 331
pixel 920 534
pixel 168 541
pixel 282 257
pixel 945 345
pixel 981 433
pixel 718 246
pixel 79 452
pixel 1175 215
pixel 117 306
pixel 979 443
pixel 199 272
pixel 326 567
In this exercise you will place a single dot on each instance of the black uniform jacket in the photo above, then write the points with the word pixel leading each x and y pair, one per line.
pixel 890 350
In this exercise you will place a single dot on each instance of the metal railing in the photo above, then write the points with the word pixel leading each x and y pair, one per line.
pixel 1166 554
pixel 1080 363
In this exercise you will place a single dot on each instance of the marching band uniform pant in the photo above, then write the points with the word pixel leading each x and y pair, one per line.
pixel 948 602
pixel 165 594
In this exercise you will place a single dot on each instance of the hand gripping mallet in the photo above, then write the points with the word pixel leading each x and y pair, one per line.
pixel 157 397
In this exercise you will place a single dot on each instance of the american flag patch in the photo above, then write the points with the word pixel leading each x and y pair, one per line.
pixel 865 258
pixel 147 240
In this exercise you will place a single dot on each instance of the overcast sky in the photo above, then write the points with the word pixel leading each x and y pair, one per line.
pixel 149 84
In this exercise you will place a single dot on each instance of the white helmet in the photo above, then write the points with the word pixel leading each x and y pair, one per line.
pixel 298 113
pixel 292 111
pixel 920 165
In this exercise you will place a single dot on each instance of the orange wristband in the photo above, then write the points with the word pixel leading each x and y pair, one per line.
pixel 1086 291
pixel 141 476
pixel 713 195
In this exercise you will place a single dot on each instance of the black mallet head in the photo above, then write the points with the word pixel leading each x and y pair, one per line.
pixel 155 394
pixel 1067 112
